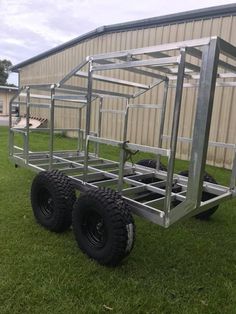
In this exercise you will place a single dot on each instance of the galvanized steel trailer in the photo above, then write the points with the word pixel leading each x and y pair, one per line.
pixel 158 194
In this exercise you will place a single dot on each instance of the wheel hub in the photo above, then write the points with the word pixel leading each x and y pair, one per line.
pixel 99 227
pixel 94 229
pixel 46 203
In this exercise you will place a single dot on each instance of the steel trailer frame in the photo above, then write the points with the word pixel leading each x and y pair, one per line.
pixel 203 63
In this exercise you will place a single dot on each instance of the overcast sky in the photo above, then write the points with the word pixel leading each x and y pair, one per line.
pixel 29 27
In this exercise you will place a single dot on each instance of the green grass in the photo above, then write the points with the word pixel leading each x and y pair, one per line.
pixel 188 268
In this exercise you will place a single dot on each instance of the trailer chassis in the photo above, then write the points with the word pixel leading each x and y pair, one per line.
pixel 167 66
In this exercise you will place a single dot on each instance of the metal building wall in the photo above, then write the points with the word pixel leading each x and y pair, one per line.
pixel 143 123
pixel 5 97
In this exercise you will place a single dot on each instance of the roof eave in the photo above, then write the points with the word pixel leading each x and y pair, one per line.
pixel 205 13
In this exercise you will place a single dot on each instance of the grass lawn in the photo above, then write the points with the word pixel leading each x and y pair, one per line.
pixel 188 268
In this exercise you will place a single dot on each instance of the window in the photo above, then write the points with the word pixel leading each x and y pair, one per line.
pixel 1 105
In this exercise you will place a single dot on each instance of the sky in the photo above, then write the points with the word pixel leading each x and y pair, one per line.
pixel 30 27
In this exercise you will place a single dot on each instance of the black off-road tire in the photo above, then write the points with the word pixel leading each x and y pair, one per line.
pixel 52 199
pixel 151 163
pixel 122 204
pixel 205 215
pixel 103 226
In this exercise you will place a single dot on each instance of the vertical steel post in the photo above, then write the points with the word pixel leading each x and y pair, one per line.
pixel 26 136
pixel 126 121
pixel 233 175
pixel 122 151
pixel 100 117
pixel 51 139
pixel 162 119
pixel 11 133
pixel 206 91
pixel 174 134
pixel 79 131
pixel 121 169
pixel 99 124
pixel 88 117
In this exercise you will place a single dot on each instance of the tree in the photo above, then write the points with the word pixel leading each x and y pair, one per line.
pixel 4 71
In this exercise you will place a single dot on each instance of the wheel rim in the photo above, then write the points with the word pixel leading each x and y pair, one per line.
pixel 94 229
pixel 46 203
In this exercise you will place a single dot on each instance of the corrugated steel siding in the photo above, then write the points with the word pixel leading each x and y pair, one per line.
pixel 143 124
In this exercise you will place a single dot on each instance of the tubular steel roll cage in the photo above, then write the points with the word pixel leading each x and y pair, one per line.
pixel 88 170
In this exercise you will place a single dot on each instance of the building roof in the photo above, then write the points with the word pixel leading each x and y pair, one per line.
pixel 8 88
pixel 222 10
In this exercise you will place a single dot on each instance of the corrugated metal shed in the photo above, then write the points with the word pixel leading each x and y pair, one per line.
pixel 51 66
pixel 6 93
